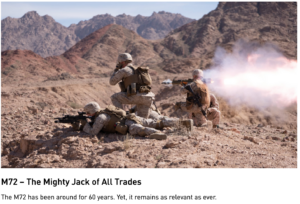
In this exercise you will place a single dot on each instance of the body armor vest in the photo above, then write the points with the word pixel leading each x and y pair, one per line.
pixel 139 81
pixel 203 92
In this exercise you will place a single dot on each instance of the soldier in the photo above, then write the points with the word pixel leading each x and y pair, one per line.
pixel 195 112
pixel 135 86
pixel 113 119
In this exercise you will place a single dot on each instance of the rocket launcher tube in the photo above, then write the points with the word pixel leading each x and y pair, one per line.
pixel 185 81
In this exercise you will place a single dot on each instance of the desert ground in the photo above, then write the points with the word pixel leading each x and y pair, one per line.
pixel 249 138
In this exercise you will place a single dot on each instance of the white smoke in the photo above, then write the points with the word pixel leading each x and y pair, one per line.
pixel 259 76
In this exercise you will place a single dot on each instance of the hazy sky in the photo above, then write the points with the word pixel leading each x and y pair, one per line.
pixel 67 13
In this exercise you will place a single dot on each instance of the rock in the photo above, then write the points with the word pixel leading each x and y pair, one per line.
pixel 293 135
pixel 252 139
pixel 260 125
pixel 58 133
pixel 4 94
pixel 33 109
pixel 110 149
pixel 235 130
pixel 276 138
pixel 94 140
pixel 171 144
pixel 67 140
pixel 284 132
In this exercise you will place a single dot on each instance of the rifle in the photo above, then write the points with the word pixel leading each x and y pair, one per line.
pixel 73 118
pixel 195 99
pixel 186 81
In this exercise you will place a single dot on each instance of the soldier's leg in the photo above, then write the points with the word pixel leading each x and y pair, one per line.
pixel 200 119
pixel 154 115
pixel 214 115
pixel 138 129
pixel 143 110
pixel 118 99
pixel 165 122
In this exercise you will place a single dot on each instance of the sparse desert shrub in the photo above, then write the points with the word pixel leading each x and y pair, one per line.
pixel 127 142
pixel 74 105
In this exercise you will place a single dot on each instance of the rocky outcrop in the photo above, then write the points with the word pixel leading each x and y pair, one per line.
pixel 44 36
pixel 41 34
pixel 263 22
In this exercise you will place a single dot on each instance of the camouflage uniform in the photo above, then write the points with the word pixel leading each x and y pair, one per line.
pixel 147 126
pixel 213 113
pixel 156 116
pixel 143 101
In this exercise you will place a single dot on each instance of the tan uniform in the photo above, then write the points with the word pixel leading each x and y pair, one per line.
pixel 143 101
pixel 147 126
pixel 213 113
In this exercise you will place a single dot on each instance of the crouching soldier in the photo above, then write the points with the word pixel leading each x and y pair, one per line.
pixel 113 119
pixel 213 113
pixel 210 105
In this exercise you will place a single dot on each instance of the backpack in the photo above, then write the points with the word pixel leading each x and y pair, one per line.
pixel 141 78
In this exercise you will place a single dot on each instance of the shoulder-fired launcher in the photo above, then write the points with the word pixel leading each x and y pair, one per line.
pixel 186 81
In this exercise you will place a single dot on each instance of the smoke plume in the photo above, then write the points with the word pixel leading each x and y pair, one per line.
pixel 259 76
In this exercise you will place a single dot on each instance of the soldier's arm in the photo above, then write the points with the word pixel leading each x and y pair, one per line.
pixel 99 123
pixel 214 101
pixel 117 76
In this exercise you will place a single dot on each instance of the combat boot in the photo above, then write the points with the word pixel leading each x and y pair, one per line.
pixel 217 127
pixel 158 136
pixel 203 125
pixel 189 124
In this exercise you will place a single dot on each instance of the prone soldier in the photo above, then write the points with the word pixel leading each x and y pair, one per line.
pixel 113 119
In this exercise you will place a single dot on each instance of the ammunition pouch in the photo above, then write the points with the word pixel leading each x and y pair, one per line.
pixel 159 125
pixel 144 89
pixel 122 86
pixel 121 128
pixel 131 89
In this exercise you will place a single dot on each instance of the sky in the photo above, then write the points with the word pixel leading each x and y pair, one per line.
pixel 67 13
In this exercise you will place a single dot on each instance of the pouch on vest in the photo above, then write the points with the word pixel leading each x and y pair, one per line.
pixel 122 86
pixel 144 89
pixel 131 89
pixel 121 128
pixel 144 75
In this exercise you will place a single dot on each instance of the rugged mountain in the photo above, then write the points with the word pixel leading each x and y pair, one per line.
pixel 41 34
pixel 46 37
pixel 156 26
pixel 93 56
pixel 263 22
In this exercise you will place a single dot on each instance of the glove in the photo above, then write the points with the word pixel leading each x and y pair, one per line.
pixel 118 67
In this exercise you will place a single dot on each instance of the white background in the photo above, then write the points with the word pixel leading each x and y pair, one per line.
pixel 229 185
